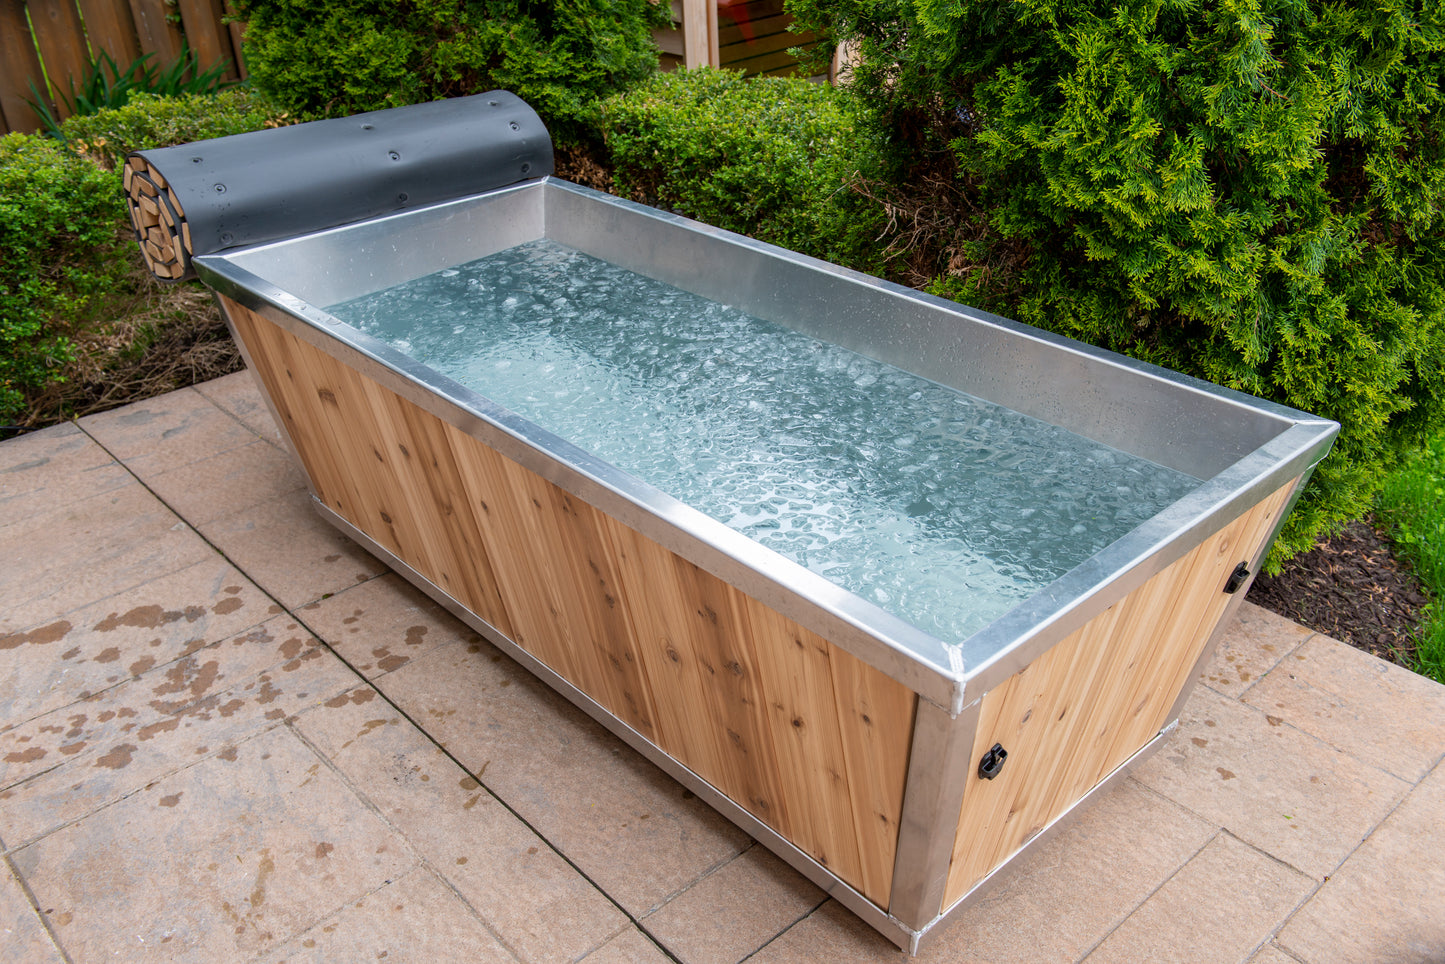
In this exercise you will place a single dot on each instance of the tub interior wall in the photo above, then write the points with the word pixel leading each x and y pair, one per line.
pixel 806 737
pixel 1185 426
pixel 356 259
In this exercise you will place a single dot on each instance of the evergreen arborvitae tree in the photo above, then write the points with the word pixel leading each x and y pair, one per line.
pixel 1248 190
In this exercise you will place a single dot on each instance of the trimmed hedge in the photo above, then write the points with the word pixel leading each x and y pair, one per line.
pixel 61 254
pixel 336 57
pixel 149 121
pixel 1250 192
pixel 770 157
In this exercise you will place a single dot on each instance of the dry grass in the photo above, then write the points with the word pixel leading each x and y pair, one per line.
pixel 579 164
pixel 936 229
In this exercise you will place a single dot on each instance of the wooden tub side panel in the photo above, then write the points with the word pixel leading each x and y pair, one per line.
pixel 353 441
pixel 1078 712
pixel 806 737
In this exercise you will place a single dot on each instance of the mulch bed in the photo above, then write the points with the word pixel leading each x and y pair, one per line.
pixel 1350 587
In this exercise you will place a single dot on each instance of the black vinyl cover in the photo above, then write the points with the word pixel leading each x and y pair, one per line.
pixel 287 181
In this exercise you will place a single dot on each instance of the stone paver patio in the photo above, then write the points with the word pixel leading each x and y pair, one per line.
pixel 229 734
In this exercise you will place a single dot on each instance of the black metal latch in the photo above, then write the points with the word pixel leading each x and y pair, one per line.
pixel 992 762
pixel 1236 578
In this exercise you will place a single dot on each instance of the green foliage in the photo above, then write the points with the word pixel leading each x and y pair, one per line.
pixel 105 86
pixel 1412 503
pixel 335 57
pixel 60 253
pixel 148 121
pixel 1249 191
pixel 768 157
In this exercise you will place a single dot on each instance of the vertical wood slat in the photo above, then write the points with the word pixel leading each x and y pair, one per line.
pixel 877 764
pixel 1081 710
pixel 237 30
pixel 155 30
pixel 797 692
pixel 18 65
pixel 61 41
pixel 109 27
pixel 207 36
pixel 693 644
pixel 698 37
pixel 806 737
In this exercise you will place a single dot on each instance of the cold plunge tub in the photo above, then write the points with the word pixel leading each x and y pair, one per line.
pixel 895 613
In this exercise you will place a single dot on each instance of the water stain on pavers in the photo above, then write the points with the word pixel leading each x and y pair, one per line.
pixel 386 660
pixel 42 636
pixel 187 674
pixel 217 697
pixel 118 758
pixel 356 697
pixel 150 616
pixel 232 888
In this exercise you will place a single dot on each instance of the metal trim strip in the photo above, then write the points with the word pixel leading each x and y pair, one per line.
pixel 932 800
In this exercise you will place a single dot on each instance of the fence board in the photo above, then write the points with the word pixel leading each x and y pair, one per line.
pixel 157 34
pixel 238 36
pixel 18 64
pixel 206 35
pixel 109 27
pixel 61 40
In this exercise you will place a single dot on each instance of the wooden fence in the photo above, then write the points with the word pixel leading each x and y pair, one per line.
pixel 747 35
pixel 58 40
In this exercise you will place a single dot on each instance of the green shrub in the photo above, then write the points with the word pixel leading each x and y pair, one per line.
pixel 1412 504
pixel 1248 191
pixel 61 253
pixel 148 121
pixel 768 157
pixel 334 57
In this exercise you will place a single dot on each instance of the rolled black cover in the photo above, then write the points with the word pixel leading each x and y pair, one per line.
pixel 286 181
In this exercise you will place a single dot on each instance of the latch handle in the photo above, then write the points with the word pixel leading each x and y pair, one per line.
pixel 1236 579
pixel 992 762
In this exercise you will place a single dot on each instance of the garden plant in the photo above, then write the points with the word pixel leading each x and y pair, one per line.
pixel 769 157
pixel 327 58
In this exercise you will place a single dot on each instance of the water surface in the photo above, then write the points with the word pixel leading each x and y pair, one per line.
pixel 942 508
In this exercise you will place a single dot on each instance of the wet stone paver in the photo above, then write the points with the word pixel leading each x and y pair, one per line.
pixel 228 734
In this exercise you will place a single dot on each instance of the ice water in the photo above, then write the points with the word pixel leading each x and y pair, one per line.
pixel 942 508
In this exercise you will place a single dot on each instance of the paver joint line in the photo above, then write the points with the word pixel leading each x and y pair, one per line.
pixel 381 815
pixel 35 906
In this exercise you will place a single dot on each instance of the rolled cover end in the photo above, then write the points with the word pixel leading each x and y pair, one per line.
pixel 155 216
pixel 287 181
